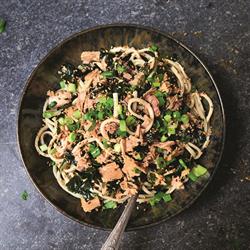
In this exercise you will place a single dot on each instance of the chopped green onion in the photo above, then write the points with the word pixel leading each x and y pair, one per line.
pixel 52 151
pixel 183 164
pixel 110 204
pixel 109 102
pixel 153 48
pixel 150 79
pixel 120 69
pixel 177 115
pixel 123 127
pixel 24 195
pixel 156 84
pixel 43 147
pixel 71 87
pixel 48 114
pixel 119 109
pixel 199 170
pixel 52 104
pixel 2 25
pixel 77 114
pixel 105 143
pixel 81 67
pixel 100 115
pixel 160 96
pixel 166 197
pixel 138 157
pixel 161 101
pixel 94 151
pixel 73 127
pixel 62 84
pixel 117 148
pixel 185 119
pixel 92 127
pixel 163 138
pixel 72 137
pixel 102 99
pixel 61 120
pixel 192 177
pixel 167 118
pixel 160 162
pixel 99 106
pixel 88 116
pixel 121 133
pixel 130 120
pixel 154 200
pixel 174 125
pixel 171 131
pixel 107 74
pixel 68 121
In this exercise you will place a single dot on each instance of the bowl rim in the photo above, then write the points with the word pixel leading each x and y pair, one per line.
pixel 120 25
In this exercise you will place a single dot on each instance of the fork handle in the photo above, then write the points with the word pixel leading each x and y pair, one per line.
pixel 114 239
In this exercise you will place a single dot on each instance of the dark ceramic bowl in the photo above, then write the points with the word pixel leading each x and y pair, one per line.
pixel 45 77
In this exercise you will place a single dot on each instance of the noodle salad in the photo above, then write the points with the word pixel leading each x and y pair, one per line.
pixel 125 121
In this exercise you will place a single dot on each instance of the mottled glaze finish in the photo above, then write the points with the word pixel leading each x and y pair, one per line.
pixel 45 77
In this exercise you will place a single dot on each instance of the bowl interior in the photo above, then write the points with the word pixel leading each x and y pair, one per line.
pixel 45 77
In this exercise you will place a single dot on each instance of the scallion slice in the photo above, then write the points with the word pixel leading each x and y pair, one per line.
pixel 105 143
pixel 153 48
pixel 72 137
pixel 61 121
pixel 120 69
pixel 71 87
pixel 130 120
pixel 167 118
pixel 192 177
pixel 62 84
pixel 177 115
pixel 107 74
pixel 171 130
pixel 94 151
pixel 166 197
pixel 48 114
pixel 164 138
pixel 154 200
pixel 68 121
pixel 117 148
pixel 183 164
pixel 199 170
pixel 100 115
pixel 185 119
pixel 77 114
pixel 110 204
pixel 156 84
pixel 43 147
pixel 196 172
pixel 123 126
